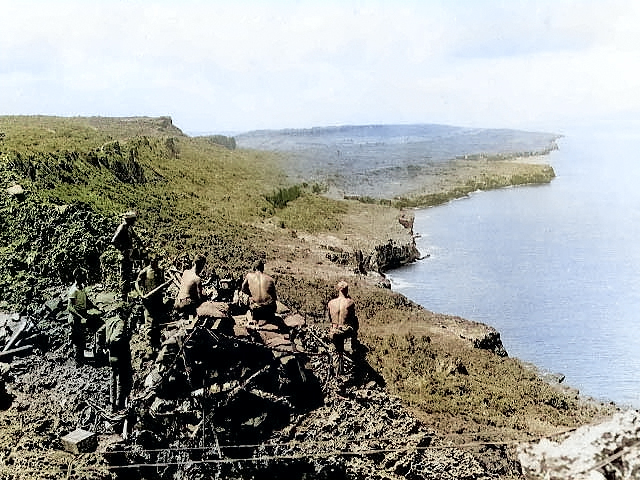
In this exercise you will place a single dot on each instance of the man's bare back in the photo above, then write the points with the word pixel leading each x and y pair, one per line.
pixel 190 286
pixel 260 287
pixel 344 321
pixel 191 294
pixel 342 311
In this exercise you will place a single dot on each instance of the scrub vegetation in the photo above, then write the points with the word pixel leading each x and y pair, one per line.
pixel 202 195
pixel 192 194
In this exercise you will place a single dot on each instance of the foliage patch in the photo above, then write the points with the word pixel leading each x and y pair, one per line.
pixel 193 195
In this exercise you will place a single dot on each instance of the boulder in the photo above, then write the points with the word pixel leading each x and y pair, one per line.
pixel 16 191
pixel 609 450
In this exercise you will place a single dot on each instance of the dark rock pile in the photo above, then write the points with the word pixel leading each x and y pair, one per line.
pixel 220 400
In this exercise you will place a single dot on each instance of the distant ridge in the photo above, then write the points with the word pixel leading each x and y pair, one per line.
pixel 387 131
pixel 357 158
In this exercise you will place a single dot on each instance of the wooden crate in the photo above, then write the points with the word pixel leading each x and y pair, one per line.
pixel 80 441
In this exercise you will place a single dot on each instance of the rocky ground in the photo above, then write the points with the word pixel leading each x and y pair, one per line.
pixel 426 396
pixel 230 426
pixel 609 449
pixel 251 415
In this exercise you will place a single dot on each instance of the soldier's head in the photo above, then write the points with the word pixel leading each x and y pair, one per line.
pixel 79 275
pixel 130 216
pixel 258 265
pixel 122 310
pixel 199 262
pixel 343 287
pixel 153 260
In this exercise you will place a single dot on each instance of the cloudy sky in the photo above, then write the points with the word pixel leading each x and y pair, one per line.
pixel 231 66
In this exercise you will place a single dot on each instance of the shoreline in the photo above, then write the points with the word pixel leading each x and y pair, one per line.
pixel 458 178
pixel 525 165
pixel 463 177
pixel 444 369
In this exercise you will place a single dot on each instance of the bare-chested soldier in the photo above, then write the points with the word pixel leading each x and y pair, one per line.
pixel 191 294
pixel 341 312
pixel 261 289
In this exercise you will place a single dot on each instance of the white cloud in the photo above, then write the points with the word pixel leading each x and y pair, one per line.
pixel 241 65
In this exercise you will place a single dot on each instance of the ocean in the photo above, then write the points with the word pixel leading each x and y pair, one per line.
pixel 554 268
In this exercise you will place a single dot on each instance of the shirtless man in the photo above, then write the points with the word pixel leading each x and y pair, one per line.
pixel 261 289
pixel 191 294
pixel 341 312
pixel 149 279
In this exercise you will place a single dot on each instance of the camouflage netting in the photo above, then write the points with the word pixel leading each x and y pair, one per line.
pixel 218 402
pixel 42 245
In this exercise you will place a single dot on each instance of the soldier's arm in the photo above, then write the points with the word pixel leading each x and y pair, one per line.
pixel 245 286
pixel 140 278
pixel 136 238
pixel 272 291
pixel 90 304
pixel 116 236
pixel 352 318
pixel 199 289
pixel 71 308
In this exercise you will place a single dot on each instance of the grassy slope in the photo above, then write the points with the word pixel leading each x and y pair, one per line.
pixel 194 195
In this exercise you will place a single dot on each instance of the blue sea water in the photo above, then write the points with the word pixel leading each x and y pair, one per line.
pixel 554 268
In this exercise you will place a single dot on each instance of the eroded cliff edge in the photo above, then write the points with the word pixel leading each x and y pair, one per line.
pixel 198 196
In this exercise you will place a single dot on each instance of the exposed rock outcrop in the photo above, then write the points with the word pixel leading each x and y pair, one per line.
pixel 406 219
pixel 383 258
pixel 393 255
pixel 491 341
pixel 480 335
pixel 606 451
pixel 400 249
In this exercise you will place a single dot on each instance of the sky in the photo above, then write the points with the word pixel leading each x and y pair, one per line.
pixel 234 66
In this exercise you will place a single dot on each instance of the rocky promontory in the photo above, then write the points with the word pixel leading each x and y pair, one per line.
pixel 437 396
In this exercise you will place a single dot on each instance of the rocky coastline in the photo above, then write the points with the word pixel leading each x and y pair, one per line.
pixel 606 448
pixel 454 403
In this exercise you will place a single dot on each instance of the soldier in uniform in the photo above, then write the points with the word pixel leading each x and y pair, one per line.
pixel 117 340
pixel 341 312
pixel 77 307
pixel 123 240
pixel 149 279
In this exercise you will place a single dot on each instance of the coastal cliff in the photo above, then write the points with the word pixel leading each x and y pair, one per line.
pixel 444 374
pixel 372 254
pixel 393 255
pixel 396 254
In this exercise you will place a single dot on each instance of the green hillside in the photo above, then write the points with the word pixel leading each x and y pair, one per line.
pixel 196 195
pixel 80 174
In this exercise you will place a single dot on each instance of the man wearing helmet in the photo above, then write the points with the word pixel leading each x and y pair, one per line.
pixel 123 240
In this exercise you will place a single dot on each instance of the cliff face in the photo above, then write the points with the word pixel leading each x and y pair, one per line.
pixel 381 258
pixel 399 252
pixel 393 255
pixel 375 256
